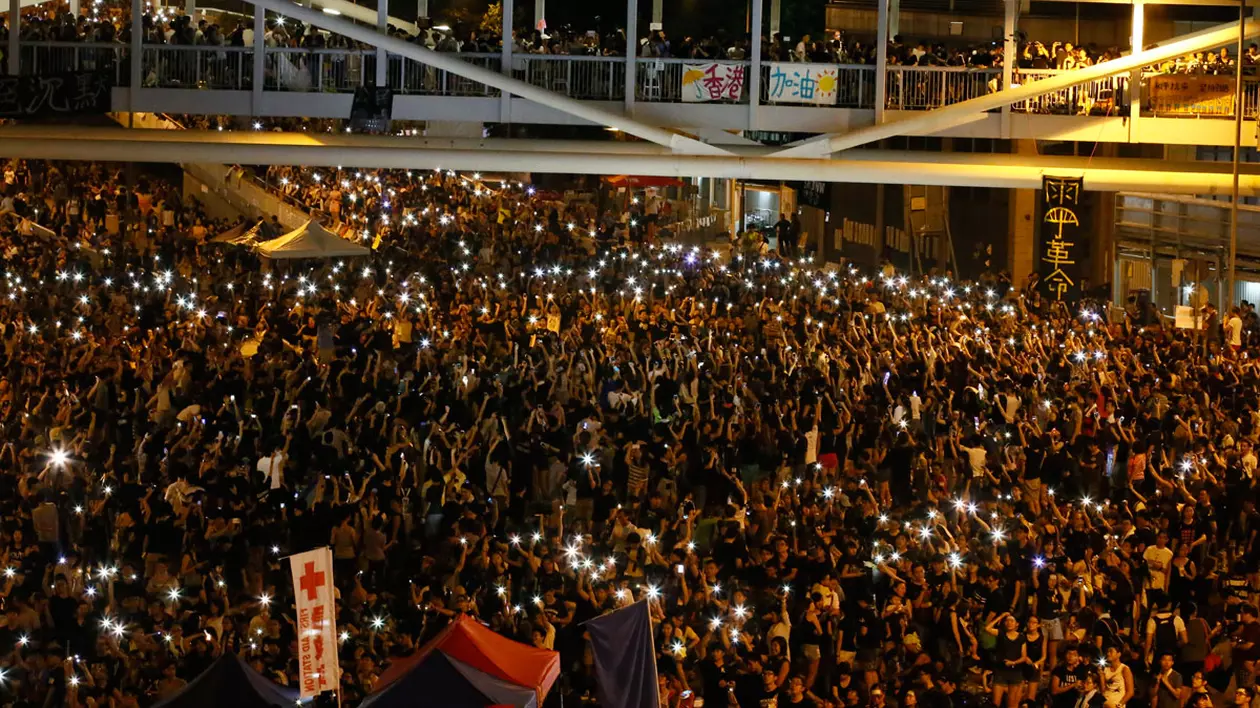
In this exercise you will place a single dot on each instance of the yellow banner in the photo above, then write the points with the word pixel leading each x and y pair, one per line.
pixel 1191 95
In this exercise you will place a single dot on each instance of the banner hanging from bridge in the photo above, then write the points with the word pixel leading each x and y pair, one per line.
pixel 714 81
pixel 815 84
pixel 1185 95
pixel 51 95
pixel 1064 230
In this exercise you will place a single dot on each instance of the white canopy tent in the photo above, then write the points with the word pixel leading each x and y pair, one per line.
pixel 310 240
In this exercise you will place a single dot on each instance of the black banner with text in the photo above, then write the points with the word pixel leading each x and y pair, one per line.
pixel 51 95
pixel 1062 249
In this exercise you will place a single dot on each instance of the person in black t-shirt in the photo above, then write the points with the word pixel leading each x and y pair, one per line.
pixel 1066 679
pixel 795 695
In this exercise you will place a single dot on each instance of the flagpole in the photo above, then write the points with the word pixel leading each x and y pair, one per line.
pixel 332 596
pixel 656 678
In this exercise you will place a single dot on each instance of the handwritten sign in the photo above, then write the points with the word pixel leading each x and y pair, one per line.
pixel 702 83
pixel 1062 232
pixel 47 95
pixel 815 84
pixel 1191 95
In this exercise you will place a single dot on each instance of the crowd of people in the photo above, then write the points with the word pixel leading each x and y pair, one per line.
pixel 833 486
pixel 343 70
pixel 832 46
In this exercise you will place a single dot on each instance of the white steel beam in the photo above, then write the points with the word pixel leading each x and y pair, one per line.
pixel 858 166
pixel 15 27
pixel 506 61
pixel 1137 40
pixel 451 63
pixel 382 61
pixel 939 119
pixel 1010 55
pixel 632 47
pixel 881 61
pixel 754 71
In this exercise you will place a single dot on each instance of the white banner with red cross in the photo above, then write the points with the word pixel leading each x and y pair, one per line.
pixel 316 621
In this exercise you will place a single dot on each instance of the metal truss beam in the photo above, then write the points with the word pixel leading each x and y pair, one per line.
pixel 939 119
pixel 451 62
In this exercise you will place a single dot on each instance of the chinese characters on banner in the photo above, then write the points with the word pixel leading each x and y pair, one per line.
pixel 803 83
pixel 316 621
pixel 47 95
pixel 1192 95
pixel 712 82
pixel 1063 233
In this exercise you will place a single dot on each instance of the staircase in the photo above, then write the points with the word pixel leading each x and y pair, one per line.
pixel 230 183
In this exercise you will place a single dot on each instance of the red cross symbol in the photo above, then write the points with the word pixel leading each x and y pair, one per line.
pixel 311 581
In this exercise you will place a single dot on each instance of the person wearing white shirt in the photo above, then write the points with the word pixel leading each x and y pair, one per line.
pixel 1158 559
pixel 272 468
pixel 1248 458
pixel 1009 407
pixel 801 53
pixel 978 458
pixel 1233 329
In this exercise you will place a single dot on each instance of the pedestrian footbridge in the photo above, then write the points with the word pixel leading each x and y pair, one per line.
pixel 674 93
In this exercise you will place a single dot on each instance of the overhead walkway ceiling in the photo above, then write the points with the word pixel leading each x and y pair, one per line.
pixel 609 157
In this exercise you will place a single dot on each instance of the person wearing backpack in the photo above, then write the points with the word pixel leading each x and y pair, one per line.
pixel 1198 642
pixel 1165 631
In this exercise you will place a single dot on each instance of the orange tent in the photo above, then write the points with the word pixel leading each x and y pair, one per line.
pixel 468 641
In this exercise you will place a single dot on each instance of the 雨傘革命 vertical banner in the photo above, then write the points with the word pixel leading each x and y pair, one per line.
pixel 1062 249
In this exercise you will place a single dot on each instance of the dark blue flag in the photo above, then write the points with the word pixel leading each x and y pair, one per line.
pixel 625 659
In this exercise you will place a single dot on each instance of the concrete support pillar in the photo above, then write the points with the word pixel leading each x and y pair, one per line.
pixel 422 8
pixel 74 8
pixel 540 13
pixel 894 18
pixel 1102 242
pixel 658 12
pixel 632 49
pixel 136 75
pixel 881 62
pixel 505 60
pixel 754 75
pixel 260 58
pixel 881 199
pixel 382 60
pixel 15 28
pixel 1022 247
pixel 776 17
pixel 1010 54
pixel 1135 78
pixel 190 7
